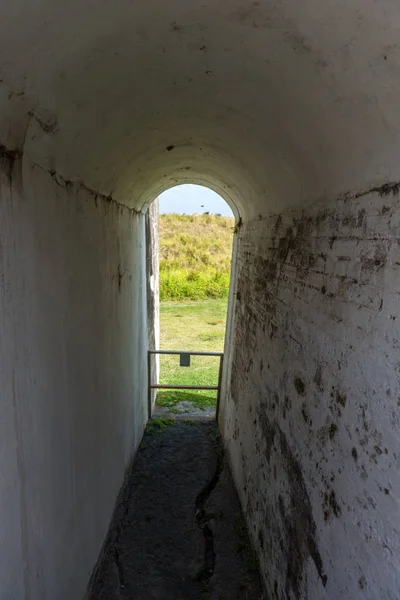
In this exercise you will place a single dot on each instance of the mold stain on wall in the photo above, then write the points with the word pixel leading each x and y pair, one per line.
pixel 312 420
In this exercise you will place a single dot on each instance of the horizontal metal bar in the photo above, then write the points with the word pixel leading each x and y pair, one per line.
pixel 184 387
pixel 186 352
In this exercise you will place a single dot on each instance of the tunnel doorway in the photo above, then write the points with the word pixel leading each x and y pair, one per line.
pixel 191 231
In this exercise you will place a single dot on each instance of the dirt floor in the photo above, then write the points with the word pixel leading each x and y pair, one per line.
pixel 178 532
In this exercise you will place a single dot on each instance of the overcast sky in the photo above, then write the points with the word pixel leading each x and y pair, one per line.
pixel 189 199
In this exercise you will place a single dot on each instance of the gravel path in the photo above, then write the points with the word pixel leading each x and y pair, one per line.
pixel 185 410
pixel 178 531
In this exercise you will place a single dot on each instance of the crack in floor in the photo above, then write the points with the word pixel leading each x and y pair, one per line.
pixel 203 519
pixel 121 584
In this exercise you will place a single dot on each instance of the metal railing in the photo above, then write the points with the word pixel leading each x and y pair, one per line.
pixel 184 362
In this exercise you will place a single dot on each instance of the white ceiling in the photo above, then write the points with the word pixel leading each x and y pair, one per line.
pixel 271 103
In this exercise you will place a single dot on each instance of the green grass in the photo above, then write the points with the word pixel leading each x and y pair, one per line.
pixel 195 256
pixel 189 326
pixel 195 261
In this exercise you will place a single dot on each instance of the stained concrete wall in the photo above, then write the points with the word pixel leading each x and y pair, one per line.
pixel 312 416
pixel 72 321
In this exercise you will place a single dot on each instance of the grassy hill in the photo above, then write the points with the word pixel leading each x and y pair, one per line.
pixel 195 256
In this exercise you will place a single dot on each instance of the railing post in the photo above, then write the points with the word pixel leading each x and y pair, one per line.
pixel 149 388
pixel 221 365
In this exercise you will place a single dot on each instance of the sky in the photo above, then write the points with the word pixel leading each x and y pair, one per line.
pixel 188 199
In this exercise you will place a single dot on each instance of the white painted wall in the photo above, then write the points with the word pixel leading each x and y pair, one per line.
pixel 312 416
pixel 73 382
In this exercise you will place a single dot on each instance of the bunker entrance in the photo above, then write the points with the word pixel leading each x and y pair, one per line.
pixel 190 232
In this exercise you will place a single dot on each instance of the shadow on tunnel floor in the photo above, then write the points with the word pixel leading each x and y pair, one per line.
pixel 178 532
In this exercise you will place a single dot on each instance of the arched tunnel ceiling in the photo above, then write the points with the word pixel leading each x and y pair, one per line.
pixel 271 103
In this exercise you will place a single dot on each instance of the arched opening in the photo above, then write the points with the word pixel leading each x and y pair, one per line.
pixel 190 234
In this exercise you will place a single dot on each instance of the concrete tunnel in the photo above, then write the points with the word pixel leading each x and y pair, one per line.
pixel 290 111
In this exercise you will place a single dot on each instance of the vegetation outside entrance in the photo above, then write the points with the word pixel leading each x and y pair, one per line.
pixel 195 260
